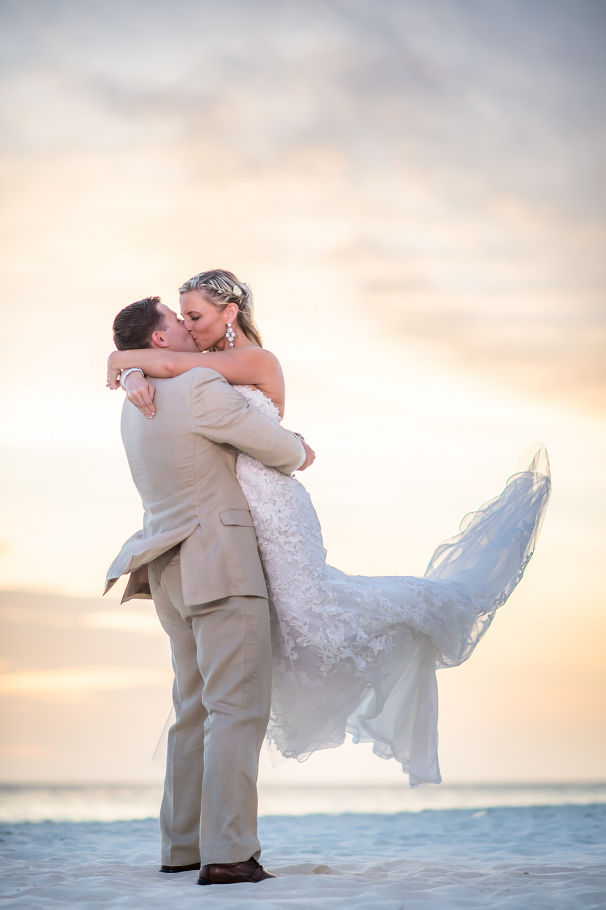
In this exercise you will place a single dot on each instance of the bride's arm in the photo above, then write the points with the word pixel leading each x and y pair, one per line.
pixel 243 366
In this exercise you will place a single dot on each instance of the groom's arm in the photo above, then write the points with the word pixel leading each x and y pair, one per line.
pixel 221 414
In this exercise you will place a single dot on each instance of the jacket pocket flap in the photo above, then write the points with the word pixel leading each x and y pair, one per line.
pixel 240 517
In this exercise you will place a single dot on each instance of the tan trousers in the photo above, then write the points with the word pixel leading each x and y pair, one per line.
pixel 221 655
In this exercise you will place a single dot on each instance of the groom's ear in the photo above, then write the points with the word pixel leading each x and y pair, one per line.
pixel 158 340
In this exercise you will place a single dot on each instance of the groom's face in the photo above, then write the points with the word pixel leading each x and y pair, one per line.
pixel 175 336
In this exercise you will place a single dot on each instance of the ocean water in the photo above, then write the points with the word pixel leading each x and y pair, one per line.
pixel 114 802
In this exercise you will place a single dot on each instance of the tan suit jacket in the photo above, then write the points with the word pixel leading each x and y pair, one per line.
pixel 183 465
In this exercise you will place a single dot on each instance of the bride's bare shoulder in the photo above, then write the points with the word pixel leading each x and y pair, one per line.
pixel 269 377
pixel 262 359
pixel 271 359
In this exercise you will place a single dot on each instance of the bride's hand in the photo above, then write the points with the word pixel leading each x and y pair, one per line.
pixel 310 455
pixel 113 371
pixel 141 393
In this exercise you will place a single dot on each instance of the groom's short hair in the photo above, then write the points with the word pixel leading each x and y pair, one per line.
pixel 136 323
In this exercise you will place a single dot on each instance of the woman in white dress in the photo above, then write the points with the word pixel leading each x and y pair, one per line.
pixel 351 654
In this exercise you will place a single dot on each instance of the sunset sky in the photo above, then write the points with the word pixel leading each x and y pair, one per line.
pixel 416 194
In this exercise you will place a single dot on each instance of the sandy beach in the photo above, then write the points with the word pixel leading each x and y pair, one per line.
pixel 506 857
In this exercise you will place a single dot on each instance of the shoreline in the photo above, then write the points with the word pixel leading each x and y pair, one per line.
pixel 123 802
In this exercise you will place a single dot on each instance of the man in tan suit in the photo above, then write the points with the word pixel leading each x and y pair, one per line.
pixel 197 557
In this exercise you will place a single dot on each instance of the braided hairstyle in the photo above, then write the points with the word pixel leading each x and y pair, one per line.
pixel 221 287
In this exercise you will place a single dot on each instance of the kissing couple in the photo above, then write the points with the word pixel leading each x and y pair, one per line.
pixel 266 638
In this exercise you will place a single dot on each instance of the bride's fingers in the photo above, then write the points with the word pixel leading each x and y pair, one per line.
pixel 113 378
pixel 310 455
pixel 142 396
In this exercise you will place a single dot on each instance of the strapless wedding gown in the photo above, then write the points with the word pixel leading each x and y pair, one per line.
pixel 358 655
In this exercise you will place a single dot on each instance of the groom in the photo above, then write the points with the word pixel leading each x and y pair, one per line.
pixel 197 557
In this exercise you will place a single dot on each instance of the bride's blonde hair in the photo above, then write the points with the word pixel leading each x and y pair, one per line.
pixel 221 287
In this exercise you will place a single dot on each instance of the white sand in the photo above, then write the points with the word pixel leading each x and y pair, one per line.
pixel 546 856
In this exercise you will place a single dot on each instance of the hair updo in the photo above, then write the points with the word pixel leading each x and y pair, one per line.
pixel 221 287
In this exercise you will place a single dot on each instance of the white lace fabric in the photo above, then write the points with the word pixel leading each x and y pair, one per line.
pixel 354 654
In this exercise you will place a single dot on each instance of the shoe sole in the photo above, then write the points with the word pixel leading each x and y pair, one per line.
pixel 193 867
pixel 244 881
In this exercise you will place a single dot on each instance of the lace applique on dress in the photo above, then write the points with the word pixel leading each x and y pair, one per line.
pixel 358 654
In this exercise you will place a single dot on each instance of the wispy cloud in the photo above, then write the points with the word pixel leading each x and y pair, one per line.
pixel 448 157
pixel 68 637
pixel 78 682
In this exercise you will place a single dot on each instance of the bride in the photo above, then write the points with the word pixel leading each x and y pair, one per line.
pixel 351 654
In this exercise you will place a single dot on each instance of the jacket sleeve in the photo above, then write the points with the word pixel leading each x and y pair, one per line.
pixel 221 414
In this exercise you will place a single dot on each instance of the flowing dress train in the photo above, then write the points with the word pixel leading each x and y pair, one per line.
pixel 356 654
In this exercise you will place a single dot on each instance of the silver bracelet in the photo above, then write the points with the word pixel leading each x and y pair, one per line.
pixel 126 373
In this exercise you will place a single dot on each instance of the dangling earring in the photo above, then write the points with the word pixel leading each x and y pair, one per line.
pixel 230 335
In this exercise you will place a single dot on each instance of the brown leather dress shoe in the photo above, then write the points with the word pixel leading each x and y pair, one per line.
pixel 231 873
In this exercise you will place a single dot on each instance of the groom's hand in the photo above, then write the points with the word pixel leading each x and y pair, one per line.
pixel 310 455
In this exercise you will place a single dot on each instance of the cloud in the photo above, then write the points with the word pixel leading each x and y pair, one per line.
pixel 68 637
pixel 79 682
pixel 508 92
pixel 449 157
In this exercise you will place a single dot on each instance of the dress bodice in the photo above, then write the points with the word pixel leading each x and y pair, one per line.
pixel 259 400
